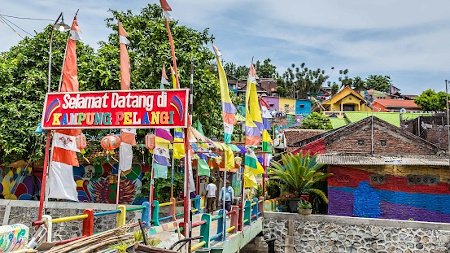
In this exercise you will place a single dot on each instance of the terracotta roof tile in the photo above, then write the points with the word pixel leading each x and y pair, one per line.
pixel 397 103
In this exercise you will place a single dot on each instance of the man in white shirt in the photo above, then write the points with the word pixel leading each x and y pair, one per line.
pixel 229 196
pixel 211 189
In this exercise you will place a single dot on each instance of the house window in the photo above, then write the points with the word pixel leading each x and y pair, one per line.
pixel 377 179
pixel 383 142
pixel 360 142
pixel 422 180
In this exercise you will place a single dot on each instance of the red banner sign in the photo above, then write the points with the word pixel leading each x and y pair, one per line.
pixel 116 109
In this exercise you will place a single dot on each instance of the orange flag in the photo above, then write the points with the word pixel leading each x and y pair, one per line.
pixel 124 59
pixel 64 148
pixel 164 5
pixel 69 77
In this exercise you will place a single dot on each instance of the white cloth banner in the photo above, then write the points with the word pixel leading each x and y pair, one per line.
pixel 64 141
pixel 61 184
pixel 125 156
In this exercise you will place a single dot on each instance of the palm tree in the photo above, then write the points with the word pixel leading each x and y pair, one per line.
pixel 299 174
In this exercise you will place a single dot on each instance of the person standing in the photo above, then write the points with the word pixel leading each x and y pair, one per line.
pixel 211 189
pixel 228 195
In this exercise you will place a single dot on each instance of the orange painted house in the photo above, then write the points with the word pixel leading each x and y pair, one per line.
pixel 394 105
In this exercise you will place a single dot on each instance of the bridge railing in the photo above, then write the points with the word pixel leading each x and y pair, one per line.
pixel 88 218
pixel 172 204
pixel 252 210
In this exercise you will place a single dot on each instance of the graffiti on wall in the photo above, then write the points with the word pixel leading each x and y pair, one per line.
pixel 13 237
pixel 373 193
pixel 97 184
pixel 18 183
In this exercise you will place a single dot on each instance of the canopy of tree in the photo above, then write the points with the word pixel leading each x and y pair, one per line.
pixel 432 101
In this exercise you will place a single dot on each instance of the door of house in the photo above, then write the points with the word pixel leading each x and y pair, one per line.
pixel 348 107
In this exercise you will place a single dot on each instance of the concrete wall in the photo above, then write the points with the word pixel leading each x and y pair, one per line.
pixel 322 233
pixel 25 212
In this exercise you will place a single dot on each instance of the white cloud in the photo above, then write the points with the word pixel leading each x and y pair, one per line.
pixel 393 37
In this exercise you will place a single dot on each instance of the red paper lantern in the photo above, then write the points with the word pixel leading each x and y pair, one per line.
pixel 110 142
pixel 81 141
pixel 150 141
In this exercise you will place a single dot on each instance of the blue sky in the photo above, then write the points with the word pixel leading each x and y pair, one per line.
pixel 408 40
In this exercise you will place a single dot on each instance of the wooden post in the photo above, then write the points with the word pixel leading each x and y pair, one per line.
pixel 88 223
pixel 44 176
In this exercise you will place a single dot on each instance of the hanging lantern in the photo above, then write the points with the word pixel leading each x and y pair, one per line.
pixel 110 142
pixel 81 141
pixel 150 141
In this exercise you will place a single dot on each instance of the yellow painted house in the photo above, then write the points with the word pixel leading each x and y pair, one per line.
pixel 346 100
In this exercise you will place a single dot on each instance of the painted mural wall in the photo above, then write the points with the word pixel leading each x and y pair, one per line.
pixel 94 183
pixel 390 192
pixel 13 237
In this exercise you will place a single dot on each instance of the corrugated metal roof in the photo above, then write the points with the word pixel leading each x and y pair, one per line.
pixel 334 159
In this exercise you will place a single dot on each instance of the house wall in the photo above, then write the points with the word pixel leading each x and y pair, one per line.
pixel 377 107
pixel 273 102
pixel 287 105
pixel 395 143
pixel 302 107
pixel 350 100
pixel 392 192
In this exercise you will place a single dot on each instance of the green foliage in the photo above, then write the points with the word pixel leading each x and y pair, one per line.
pixel 301 82
pixel 299 174
pixel 334 88
pixel 430 100
pixel 378 82
pixel 23 74
pixel 162 186
pixel 303 204
pixel 316 120
pixel 273 189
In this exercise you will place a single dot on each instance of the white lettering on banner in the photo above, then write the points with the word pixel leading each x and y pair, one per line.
pixel 162 99
pixel 79 102
pixel 131 101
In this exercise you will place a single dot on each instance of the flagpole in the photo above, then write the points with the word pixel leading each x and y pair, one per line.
pixel 118 187
pixel 224 213
pixel 151 192
pixel 44 176
pixel 172 176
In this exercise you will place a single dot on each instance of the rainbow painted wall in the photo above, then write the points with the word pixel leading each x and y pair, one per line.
pixel 95 183
pixel 391 192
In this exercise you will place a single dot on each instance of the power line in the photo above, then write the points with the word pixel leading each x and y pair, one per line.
pixel 4 18
pixel 38 19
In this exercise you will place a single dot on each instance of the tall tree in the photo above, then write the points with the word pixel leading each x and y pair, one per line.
pixel 378 82
pixel 432 101
pixel 266 69
pixel 300 81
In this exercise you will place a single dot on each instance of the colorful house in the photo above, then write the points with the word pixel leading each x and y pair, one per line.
pixel 289 105
pixel 346 100
pixel 382 171
pixel 394 105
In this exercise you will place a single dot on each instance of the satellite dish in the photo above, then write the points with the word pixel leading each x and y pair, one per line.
pixel 403 110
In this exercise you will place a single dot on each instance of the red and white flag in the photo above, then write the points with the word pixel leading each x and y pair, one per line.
pixel 61 184
pixel 127 136
pixel 124 59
